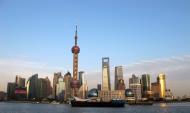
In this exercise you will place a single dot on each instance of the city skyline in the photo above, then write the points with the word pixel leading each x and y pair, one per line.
pixel 36 38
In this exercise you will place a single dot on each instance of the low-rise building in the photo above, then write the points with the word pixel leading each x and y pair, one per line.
pixel 110 95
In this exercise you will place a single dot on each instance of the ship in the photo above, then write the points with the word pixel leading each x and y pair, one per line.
pixel 140 103
pixel 77 102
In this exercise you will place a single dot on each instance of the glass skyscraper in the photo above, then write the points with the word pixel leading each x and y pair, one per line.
pixel 106 86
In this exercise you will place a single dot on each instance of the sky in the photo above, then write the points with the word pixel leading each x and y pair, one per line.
pixel 145 36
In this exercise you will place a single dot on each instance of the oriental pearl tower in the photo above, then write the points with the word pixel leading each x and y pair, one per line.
pixel 75 84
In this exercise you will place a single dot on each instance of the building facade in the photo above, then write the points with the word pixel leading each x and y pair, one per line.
pixel 118 76
pixel 20 82
pixel 60 91
pixel 99 87
pixel 107 96
pixel 55 81
pixel 20 93
pixel 156 90
pixel 135 86
pixel 162 81
pixel 11 91
pixel 81 77
pixel 106 86
pixel 32 85
pixel 68 90
pixel 146 86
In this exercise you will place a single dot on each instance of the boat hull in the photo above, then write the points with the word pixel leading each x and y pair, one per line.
pixel 97 104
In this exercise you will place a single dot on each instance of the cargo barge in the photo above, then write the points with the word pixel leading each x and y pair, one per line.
pixel 89 103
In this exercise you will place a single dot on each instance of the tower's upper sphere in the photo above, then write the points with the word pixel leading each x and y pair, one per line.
pixel 75 49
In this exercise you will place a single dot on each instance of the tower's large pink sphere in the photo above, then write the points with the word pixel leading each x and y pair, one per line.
pixel 75 49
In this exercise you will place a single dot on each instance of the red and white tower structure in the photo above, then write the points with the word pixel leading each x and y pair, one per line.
pixel 75 84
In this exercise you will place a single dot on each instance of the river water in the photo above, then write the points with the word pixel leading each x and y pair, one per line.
pixel 65 108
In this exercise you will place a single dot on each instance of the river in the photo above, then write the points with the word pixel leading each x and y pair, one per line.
pixel 65 108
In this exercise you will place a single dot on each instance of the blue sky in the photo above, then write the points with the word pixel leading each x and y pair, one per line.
pixel 127 31
pixel 124 30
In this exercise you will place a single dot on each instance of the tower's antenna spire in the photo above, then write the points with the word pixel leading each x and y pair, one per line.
pixel 76 36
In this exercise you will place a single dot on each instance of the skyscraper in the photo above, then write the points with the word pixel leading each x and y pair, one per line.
pixel 44 88
pixel 75 84
pixel 106 86
pixel 146 85
pixel 60 91
pixel 135 86
pixel 67 80
pixel 20 82
pixel 81 77
pixel 11 91
pixel 155 87
pixel 55 81
pixel 118 76
pixel 99 87
pixel 162 81
pixel 32 87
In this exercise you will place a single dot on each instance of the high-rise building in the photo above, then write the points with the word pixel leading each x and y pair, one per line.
pixel 20 93
pixel 60 91
pixel 118 76
pixel 99 87
pixel 2 96
pixel 11 91
pixel 106 86
pixel 75 84
pixel 20 82
pixel 55 81
pixel 81 77
pixel 83 90
pixel 162 81
pixel 67 80
pixel 155 90
pixel 120 85
pixel 42 88
pixel 48 87
pixel 32 85
pixel 146 85
pixel 135 86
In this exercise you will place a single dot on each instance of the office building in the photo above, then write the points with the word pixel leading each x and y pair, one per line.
pixel 3 96
pixel 161 79
pixel 99 87
pixel 83 90
pixel 44 88
pixel 155 90
pixel 60 91
pixel 11 91
pixel 32 87
pixel 20 82
pixel 68 90
pixel 20 93
pixel 107 96
pixel 146 86
pixel 118 76
pixel 81 77
pixel 135 86
pixel 55 81
pixel 106 86
pixel 120 85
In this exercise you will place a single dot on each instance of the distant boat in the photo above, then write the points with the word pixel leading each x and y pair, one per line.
pixel 140 103
pixel 77 102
